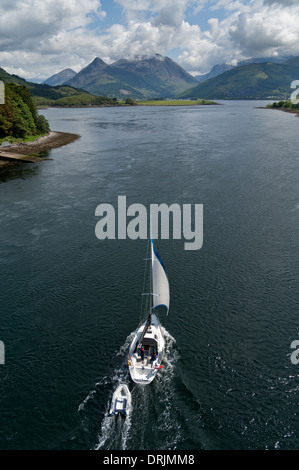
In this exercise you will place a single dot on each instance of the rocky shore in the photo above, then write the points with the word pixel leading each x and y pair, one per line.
pixel 42 144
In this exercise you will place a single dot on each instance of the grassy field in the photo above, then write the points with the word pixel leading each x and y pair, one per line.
pixel 15 140
pixel 174 102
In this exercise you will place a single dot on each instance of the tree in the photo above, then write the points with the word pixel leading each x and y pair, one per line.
pixel 18 116
pixel 131 102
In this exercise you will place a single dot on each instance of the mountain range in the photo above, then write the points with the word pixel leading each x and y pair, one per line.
pixel 62 95
pixel 141 77
pixel 220 68
pixel 252 81
pixel 157 77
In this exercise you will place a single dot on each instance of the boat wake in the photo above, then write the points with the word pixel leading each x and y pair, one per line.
pixel 115 429
pixel 152 412
pixel 114 432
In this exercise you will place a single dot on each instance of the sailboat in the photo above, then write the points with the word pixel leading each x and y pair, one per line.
pixel 146 350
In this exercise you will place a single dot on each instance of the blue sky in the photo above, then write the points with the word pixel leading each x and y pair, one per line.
pixel 41 37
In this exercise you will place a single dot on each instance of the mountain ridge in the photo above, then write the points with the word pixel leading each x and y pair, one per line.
pixel 60 77
pixel 141 77
pixel 252 81
pixel 60 95
pixel 221 68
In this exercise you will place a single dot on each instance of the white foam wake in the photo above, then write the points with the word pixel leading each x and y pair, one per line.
pixel 115 429
pixel 150 404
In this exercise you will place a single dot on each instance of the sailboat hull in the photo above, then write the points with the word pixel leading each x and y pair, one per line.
pixel 143 366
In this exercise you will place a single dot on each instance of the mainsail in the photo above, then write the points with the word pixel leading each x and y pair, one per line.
pixel 146 351
pixel 160 284
pixel 159 289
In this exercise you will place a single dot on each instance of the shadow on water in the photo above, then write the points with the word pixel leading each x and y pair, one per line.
pixel 17 171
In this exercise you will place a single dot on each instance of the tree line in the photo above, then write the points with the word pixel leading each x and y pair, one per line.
pixel 285 104
pixel 18 116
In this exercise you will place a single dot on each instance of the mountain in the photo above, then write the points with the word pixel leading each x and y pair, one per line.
pixel 60 78
pixel 294 61
pixel 216 70
pixel 95 78
pixel 252 81
pixel 141 77
pixel 262 60
pixel 220 68
pixel 56 95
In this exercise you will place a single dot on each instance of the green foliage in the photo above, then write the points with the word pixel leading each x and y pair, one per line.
pixel 285 105
pixel 18 116
pixel 252 81
pixel 191 102
pixel 130 102
pixel 63 95
pixel 68 96
pixel 42 124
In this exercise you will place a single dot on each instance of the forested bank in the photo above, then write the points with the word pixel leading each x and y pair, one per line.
pixel 19 117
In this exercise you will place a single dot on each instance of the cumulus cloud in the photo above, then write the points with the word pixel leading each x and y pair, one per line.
pixel 265 31
pixel 248 30
pixel 34 33
pixel 41 37
pixel 32 20
pixel 285 3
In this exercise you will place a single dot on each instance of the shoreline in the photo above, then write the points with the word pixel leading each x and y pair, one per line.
pixel 50 141
pixel 137 103
pixel 286 110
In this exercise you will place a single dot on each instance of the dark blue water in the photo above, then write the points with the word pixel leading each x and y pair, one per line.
pixel 69 302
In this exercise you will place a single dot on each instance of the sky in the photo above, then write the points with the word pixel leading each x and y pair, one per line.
pixel 39 38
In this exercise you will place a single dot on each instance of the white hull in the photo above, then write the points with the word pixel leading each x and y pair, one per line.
pixel 144 370
pixel 121 401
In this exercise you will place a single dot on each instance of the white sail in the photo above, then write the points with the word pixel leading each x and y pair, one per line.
pixel 160 284
pixel 146 350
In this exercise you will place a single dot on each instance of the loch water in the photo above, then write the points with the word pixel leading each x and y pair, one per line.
pixel 70 302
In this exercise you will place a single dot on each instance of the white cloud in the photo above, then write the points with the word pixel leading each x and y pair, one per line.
pixel 281 2
pixel 266 30
pixel 32 20
pixel 41 37
pixel 250 30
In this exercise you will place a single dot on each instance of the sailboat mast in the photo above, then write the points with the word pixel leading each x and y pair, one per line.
pixel 149 318
pixel 151 283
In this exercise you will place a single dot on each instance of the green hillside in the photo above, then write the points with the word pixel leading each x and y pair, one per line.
pixel 18 116
pixel 46 95
pixel 253 81
pixel 285 106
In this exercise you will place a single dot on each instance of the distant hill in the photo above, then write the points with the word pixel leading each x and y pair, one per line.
pixel 262 60
pixel 221 68
pixel 252 81
pixel 47 95
pixel 142 77
pixel 216 70
pixel 60 78
pixel 294 61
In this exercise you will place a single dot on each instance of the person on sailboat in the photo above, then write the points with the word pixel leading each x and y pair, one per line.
pixel 153 357
pixel 141 351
